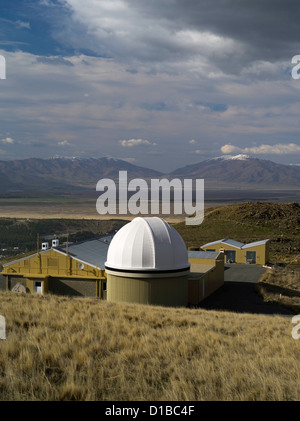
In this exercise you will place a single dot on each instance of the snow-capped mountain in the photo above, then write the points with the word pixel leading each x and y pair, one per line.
pixel 240 170
pixel 240 157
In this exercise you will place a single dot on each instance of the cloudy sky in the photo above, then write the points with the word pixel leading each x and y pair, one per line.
pixel 160 83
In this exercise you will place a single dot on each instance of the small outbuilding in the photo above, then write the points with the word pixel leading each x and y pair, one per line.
pixel 73 270
pixel 237 252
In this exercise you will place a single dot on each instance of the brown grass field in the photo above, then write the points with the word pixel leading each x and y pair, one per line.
pixel 281 286
pixel 60 348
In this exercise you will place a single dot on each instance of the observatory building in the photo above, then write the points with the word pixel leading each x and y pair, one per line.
pixel 147 263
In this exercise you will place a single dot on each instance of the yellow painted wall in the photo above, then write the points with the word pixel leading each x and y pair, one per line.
pixel 52 265
pixel 202 287
pixel 262 252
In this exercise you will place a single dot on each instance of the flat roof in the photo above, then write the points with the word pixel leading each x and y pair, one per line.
pixel 199 254
pixel 197 270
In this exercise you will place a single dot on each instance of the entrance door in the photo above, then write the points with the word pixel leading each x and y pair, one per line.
pixel 230 256
pixel 104 291
pixel 38 287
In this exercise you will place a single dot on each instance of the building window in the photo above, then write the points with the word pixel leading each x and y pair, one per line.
pixel 230 256
pixel 251 256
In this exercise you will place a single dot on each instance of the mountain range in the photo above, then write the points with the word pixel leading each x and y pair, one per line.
pixel 242 170
pixel 66 175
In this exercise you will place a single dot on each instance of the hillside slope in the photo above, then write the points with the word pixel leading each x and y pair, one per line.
pixel 251 222
pixel 59 348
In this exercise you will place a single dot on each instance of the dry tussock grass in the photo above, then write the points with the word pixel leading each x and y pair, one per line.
pixel 60 348
pixel 281 286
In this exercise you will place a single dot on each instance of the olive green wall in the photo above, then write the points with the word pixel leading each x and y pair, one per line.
pixel 165 291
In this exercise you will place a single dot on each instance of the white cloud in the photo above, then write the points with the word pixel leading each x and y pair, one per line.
pixel 47 3
pixel 20 24
pixel 278 149
pixel 64 143
pixel 8 141
pixel 136 142
pixel 192 141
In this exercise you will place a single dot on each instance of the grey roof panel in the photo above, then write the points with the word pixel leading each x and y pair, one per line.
pixel 213 243
pixel 196 254
pixel 233 243
pixel 256 243
pixel 93 252
pixel 227 241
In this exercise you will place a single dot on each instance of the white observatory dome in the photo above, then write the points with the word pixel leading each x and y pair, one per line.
pixel 147 244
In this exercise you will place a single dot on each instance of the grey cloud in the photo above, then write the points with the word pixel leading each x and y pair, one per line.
pixel 266 27
pixel 54 60
pixel 151 32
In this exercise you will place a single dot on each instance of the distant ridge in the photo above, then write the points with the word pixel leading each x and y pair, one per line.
pixel 242 170
pixel 60 175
